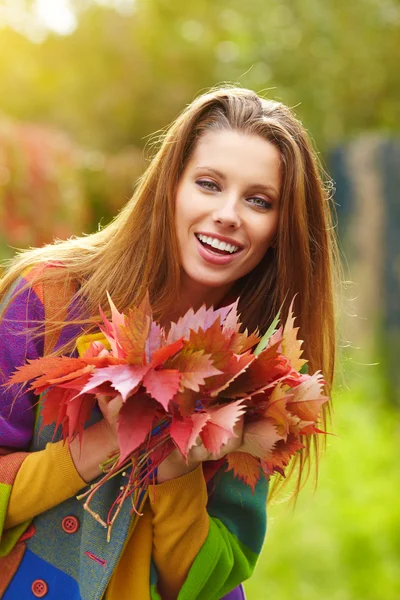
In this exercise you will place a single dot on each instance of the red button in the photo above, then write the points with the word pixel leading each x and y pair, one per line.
pixel 70 524
pixel 39 588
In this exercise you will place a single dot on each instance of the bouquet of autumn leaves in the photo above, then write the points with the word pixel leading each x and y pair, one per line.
pixel 173 387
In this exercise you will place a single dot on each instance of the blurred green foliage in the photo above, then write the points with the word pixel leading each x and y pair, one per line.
pixel 122 75
pixel 343 542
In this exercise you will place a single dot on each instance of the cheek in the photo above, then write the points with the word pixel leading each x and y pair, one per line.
pixel 262 240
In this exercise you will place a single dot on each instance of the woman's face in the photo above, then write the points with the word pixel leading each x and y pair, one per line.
pixel 227 206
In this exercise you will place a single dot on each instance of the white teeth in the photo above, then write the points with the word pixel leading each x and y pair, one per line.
pixel 215 243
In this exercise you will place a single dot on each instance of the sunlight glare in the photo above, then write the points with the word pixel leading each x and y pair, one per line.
pixel 56 15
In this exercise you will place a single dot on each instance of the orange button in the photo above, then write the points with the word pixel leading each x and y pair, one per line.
pixel 39 588
pixel 70 524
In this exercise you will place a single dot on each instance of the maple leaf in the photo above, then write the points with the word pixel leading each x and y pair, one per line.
pixel 185 401
pixel 87 370
pixel 162 385
pixel 181 430
pixel 95 348
pixel 192 321
pixel 154 340
pixel 310 429
pixel 260 437
pixel 125 379
pixel 277 410
pixel 52 401
pixel 161 355
pixel 200 419
pixel 77 383
pixel 213 342
pixel 268 368
pixel 236 365
pixel 47 366
pixel 266 339
pixel 135 422
pixel 112 330
pixel 134 334
pixel 185 430
pixel 78 410
pixel 219 428
pixel 245 467
pixel 308 398
pixel 194 367
pixel 246 341
pixel 291 346
pixel 283 452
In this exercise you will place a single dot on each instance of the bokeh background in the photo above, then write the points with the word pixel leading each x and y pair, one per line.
pixel 85 88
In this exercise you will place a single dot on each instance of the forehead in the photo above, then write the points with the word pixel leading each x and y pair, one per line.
pixel 238 155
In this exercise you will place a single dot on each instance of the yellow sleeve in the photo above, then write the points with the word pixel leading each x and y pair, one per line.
pixel 180 528
pixel 45 479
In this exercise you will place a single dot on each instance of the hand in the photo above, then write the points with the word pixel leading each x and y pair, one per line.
pixel 110 408
pixel 99 441
pixel 175 466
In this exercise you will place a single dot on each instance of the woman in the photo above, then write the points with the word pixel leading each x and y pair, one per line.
pixel 231 205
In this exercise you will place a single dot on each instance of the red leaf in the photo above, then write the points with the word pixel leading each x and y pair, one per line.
pixel 259 438
pixel 124 379
pixel 269 367
pixel 134 423
pixel 76 384
pixel 161 355
pixel 112 330
pixel 194 367
pixel 181 430
pixel 199 421
pixel 154 340
pixel 162 385
pixel 220 426
pixel 245 467
pixel 283 452
pixel 236 366
pixel 78 410
pixel 192 321
pixel 186 401
pixel 52 401
pixel 308 399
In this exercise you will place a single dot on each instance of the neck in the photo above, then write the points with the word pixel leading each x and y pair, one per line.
pixel 194 295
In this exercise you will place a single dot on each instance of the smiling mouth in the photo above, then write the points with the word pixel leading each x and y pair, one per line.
pixel 216 246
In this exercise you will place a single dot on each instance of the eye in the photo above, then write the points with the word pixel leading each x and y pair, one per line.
pixel 260 202
pixel 207 185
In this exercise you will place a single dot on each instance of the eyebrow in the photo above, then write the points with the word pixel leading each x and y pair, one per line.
pixel 261 186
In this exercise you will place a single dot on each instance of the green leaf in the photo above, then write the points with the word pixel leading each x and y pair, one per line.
pixel 263 343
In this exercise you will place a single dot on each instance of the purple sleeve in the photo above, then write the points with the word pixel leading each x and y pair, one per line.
pixel 19 340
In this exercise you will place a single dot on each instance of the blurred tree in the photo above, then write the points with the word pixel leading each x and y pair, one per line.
pixel 127 71
pixel 51 188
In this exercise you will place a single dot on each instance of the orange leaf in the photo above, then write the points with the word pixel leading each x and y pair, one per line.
pixel 194 367
pixel 277 410
pixel 245 467
pixel 134 334
pixel 291 346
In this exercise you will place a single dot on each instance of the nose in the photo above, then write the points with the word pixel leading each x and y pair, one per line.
pixel 227 213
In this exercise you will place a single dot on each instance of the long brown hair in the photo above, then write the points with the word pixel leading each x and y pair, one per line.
pixel 138 250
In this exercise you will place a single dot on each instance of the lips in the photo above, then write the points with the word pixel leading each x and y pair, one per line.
pixel 210 256
pixel 221 238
